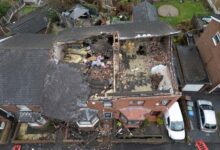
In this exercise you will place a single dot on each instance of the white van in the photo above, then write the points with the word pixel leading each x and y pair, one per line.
pixel 174 122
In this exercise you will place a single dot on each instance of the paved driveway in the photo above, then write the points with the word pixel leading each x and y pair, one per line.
pixel 195 133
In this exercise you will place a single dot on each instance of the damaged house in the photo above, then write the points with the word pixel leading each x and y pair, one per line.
pixel 137 81
pixel 130 71
pixel 88 75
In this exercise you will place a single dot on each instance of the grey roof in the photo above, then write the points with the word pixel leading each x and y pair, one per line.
pixel 27 116
pixel 32 23
pixel 126 31
pixel 65 91
pixel 28 76
pixel 144 11
pixel 78 11
pixel 28 41
pixel 22 73
pixel 191 65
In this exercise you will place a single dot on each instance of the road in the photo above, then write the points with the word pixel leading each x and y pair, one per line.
pixel 173 146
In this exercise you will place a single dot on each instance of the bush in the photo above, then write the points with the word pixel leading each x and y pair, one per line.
pixel 52 15
pixel 146 123
pixel 160 121
pixel 4 7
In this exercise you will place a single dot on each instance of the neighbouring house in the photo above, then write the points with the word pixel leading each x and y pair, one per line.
pixel 215 5
pixel 209 45
pixel 77 13
pixel 34 22
pixel 32 84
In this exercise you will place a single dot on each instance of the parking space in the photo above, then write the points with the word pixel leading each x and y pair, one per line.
pixel 195 133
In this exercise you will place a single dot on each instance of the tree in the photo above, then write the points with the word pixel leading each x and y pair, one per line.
pixel 4 6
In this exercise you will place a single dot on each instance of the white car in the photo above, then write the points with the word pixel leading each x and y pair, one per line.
pixel 207 118
pixel 174 122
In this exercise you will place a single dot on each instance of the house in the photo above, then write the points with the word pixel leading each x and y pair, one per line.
pixel 35 22
pixel 215 5
pixel 76 12
pixel 32 84
pixel 208 45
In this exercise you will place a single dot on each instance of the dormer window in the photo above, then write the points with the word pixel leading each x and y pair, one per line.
pixel 216 38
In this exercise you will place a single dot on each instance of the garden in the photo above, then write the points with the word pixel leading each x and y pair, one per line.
pixel 186 9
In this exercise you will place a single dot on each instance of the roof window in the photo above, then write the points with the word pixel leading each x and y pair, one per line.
pixel 216 38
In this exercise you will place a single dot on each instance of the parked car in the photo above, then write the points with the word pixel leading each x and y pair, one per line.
pixel 206 114
pixel 174 122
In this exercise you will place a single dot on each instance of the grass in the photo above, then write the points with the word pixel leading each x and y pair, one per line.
pixel 186 10
pixel 27 9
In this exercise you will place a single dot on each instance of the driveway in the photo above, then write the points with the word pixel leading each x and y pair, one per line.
pixel 195 133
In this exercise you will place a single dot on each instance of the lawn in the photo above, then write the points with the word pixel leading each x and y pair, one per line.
pixel 186 10
pixel 27 9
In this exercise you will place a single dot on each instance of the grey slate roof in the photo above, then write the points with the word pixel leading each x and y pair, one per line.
pixel 191 65
pixel 28 76
pixel 126 31
pixel 28 41
pixel 144 11
pixel 64 92
pixel 78 11
pixel 32 23
pixel 22 72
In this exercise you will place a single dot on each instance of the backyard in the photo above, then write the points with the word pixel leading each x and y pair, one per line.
pixel 186 10
pixel 27 9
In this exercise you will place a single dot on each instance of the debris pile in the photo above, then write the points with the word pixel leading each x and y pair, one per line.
pixel 137 60
pixel 96 54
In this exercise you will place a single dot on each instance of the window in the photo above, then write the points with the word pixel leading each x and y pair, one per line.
pixel 165 102
pixel 107 103
pixel 108 115
pixel 139 103
pixel 133 122
pixel 177 126
pixel 202 116
pixel 168 121
pixel 123 118
pixel 216 38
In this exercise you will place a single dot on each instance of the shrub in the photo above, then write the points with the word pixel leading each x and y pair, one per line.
pixel 160 121
pixel 4 7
